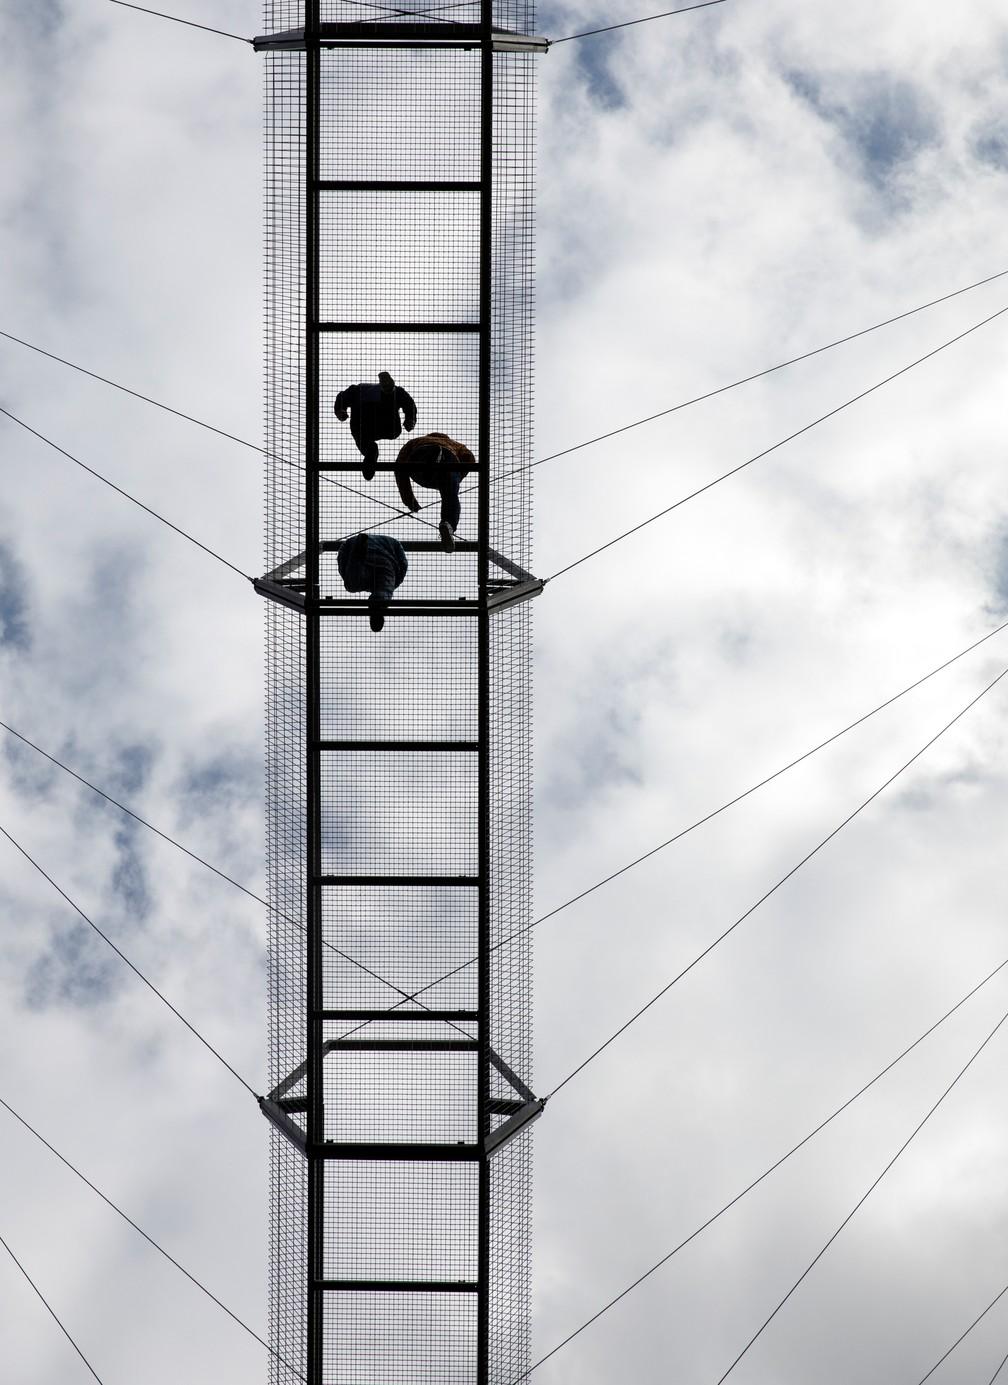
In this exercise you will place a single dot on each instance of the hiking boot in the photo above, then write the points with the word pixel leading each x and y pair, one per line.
pixel 376 610
pixel 386 382
pixel 447 536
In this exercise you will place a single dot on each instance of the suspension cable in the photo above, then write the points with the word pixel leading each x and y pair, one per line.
pixel 587 33
pixel 400 513
pixel 190 23
pixel 962 1337
pixel 199 422
pixel 200 860
pixel 864 1198
pixel 132 966
pixel 148 1238
pixel 772 1168
pixel 708 817
pixel 775 887
pixel 722 389
pixel 118 489
pixel 47 1306
pixel 1004 1362
pixel 709 485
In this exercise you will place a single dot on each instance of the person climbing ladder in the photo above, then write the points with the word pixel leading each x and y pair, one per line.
pixel 374 413
pixel 437 461
pixel 374 563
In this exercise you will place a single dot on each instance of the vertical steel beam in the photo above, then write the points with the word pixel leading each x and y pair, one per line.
pixel 314 1232
pixel 483 682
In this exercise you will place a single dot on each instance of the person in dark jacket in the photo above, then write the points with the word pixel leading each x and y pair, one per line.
pixel 374 413
pixel 374 563
pixel 438 461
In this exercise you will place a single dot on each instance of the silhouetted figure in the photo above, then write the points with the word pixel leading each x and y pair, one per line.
pixel 374 563
pixel 439 462
pixel 374 413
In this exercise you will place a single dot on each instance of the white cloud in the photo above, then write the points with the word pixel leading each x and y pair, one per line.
pixel 717 192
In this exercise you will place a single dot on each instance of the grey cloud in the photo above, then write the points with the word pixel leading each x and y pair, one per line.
pixel 594 63
pixel 72 971
pixel 14 629
pixel 40 20
pixel 225 780
pixel 883 121
pixel 130 882
pixel 999 573
pixel 602 752
pixel 990 145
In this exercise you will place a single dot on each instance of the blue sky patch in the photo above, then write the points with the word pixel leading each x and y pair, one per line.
pixel 593 64
pixel 884 122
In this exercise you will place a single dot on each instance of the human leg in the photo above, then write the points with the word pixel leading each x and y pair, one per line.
pixel 451 508
pixel 367 447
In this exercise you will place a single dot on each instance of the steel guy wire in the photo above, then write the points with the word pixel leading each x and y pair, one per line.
pixel 775 887
pixel 553 456
pixel 723 389
pixel 190 23
pixel 132 966
pixel 408 997
pixel 201 423
pixel 200 860
pixel 771 1169
pixel 50 1310
pixel 418 14
pixel 864 1198
pixel 1004 1361
pixel 587 33
pixel 941 1360
pixel 709 485
pixel 147 1237
pixel 700 822
pixel 119 490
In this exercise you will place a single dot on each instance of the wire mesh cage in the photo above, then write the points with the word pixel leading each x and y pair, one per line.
pixel 420 762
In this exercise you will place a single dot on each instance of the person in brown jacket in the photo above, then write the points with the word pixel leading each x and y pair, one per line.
pixel 437 461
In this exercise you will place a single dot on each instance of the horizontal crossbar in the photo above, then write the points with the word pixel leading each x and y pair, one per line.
pixel 462 1152
pixel 402 1045
pixel 398 35
pixel 337 606
pixel 438 881
pixel 419 746
pixel 398 326
pixel 393 185
pixel 394 1016
pixel 398 1286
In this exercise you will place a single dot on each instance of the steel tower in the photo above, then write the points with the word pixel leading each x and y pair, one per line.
pixel 399 236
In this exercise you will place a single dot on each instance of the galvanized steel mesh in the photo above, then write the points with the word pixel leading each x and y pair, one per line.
pixel 398 258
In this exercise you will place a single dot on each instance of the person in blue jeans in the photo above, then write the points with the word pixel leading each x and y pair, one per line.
pixel 437 461
pixel 374 563
pixel 375 413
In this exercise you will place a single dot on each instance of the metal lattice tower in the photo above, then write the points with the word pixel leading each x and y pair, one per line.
pixel 399 236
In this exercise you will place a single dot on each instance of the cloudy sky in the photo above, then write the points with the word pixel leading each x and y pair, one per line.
pixel 717 192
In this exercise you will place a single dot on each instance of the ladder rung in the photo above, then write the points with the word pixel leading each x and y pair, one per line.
pixel 402 1045
pixel 432 881
pixel 462 1151
pixel 398 326
pixel 398 1286
pixel 395 185
pixel 418 746
pixel 393 1016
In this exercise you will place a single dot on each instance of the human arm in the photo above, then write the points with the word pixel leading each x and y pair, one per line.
pixel 343 401
pixel 466 458
pixel 405 402
pixel 402 480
